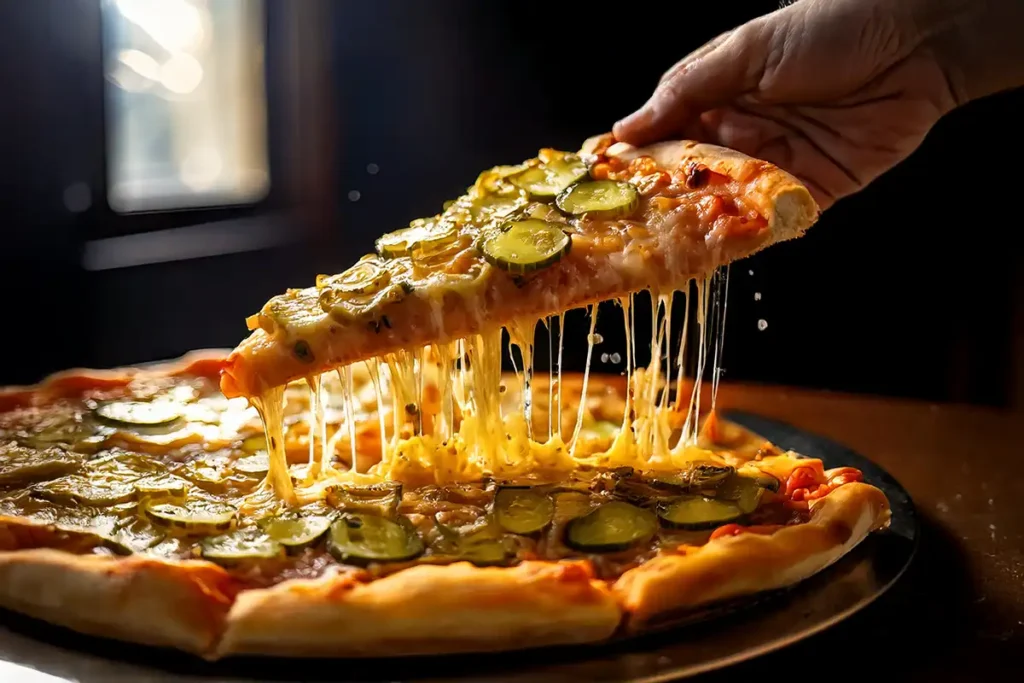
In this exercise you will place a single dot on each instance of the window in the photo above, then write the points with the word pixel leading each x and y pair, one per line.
pixel 186 105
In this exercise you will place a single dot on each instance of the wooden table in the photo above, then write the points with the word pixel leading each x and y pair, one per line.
pixel 958 612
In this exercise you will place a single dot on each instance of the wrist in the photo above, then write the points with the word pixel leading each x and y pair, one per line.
pixel 976 43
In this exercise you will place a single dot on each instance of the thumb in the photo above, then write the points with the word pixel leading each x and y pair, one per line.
pixel 707 78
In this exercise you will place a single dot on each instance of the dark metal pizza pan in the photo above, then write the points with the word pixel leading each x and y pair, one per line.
pixel 32 651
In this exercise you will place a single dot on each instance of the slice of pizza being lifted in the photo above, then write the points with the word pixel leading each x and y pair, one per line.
pixel 558 232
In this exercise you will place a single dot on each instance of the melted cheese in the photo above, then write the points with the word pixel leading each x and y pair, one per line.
pixel 464 432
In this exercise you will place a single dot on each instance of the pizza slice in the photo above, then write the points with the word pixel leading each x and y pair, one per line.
pixel 557 232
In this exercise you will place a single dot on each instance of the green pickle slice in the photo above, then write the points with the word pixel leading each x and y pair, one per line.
pixel 744 492
pixel 367 276
pixel 162 484
pixel 297 532
pixel 238 546
pixel 75 489
pixel 548 180
pixel 698 512
pixel 599 198
pixel 194 516
pixel 20 464
pixel 364 538
pixel 429 234
pixel 611 527
pixel 138 413
pixel 525 246
pixel 523 511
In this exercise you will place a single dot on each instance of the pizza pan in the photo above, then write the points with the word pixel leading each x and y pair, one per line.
pixel 34 652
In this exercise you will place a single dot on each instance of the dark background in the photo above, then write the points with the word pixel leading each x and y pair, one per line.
pixel 911 288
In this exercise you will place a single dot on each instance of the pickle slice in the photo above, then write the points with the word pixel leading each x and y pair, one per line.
pixel 75 489
pixel 367 276
pixel 138 413
pixel 550 179
pixel 523 511
pixel 744 492
pixel 382 499
pixel 429 234
pixel 296 532
pixel 363 538
pixel 599 198
pixel 194 516
pixel 20 464
pixel 238 546
pixel 162 484
pixel 697 476
pixel 487 553
pixel 698 512
pixel 611 527
pixel 256 465
pixel 525 246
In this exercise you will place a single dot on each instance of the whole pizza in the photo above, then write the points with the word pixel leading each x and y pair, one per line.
pixel 361 477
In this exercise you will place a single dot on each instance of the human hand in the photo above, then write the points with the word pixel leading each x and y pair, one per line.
pixel 834 91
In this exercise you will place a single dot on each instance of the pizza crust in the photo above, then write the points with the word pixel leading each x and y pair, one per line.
pixel 736 566
pixel 426 609
pixel 142 600
pixel 782 199
pixel 201 363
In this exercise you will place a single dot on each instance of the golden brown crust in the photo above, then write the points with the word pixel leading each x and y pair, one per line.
pixel 425 609
pixel 201 363
pixel 780 197
pixel 735 566
pixel 141 600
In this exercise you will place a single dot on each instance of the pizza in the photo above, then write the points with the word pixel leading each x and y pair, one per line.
pixel 363 476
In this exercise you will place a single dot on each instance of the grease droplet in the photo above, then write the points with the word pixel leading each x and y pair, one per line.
pixel 354 195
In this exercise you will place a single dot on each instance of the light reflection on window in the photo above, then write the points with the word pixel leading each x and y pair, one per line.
pixel 186 121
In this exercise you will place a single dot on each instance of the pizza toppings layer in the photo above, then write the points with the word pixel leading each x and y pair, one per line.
pixel 559 231
pixel 70 479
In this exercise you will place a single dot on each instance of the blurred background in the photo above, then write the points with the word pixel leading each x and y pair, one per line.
pixel 168 165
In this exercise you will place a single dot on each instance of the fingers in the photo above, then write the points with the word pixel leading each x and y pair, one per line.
pixel 711 76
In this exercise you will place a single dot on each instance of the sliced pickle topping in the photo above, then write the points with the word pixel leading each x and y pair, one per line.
pixel 696 476
pixel 75 489
pixel 193 516
pixel 162 485
pixel 523 511
pixel 698 512
pixel 426 234
pixel 382 499
pixel 364 538
pixel 367 276
pixel 744 492
pixel 238 546
pixel 138 413
pixel 548 180
pixel 488 552
pixel 296 532
pixel 599 198
pixel 256 464
pixel 611 527
pixel 20 464
pixel 522 247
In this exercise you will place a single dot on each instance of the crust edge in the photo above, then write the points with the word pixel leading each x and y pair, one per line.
pixel 738 566
pixel 428 609
pixel 140 600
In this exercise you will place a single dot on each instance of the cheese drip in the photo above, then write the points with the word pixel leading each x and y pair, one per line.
pixel 447 422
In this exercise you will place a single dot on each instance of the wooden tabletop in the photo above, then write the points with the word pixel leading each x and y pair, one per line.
pixel 958 612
